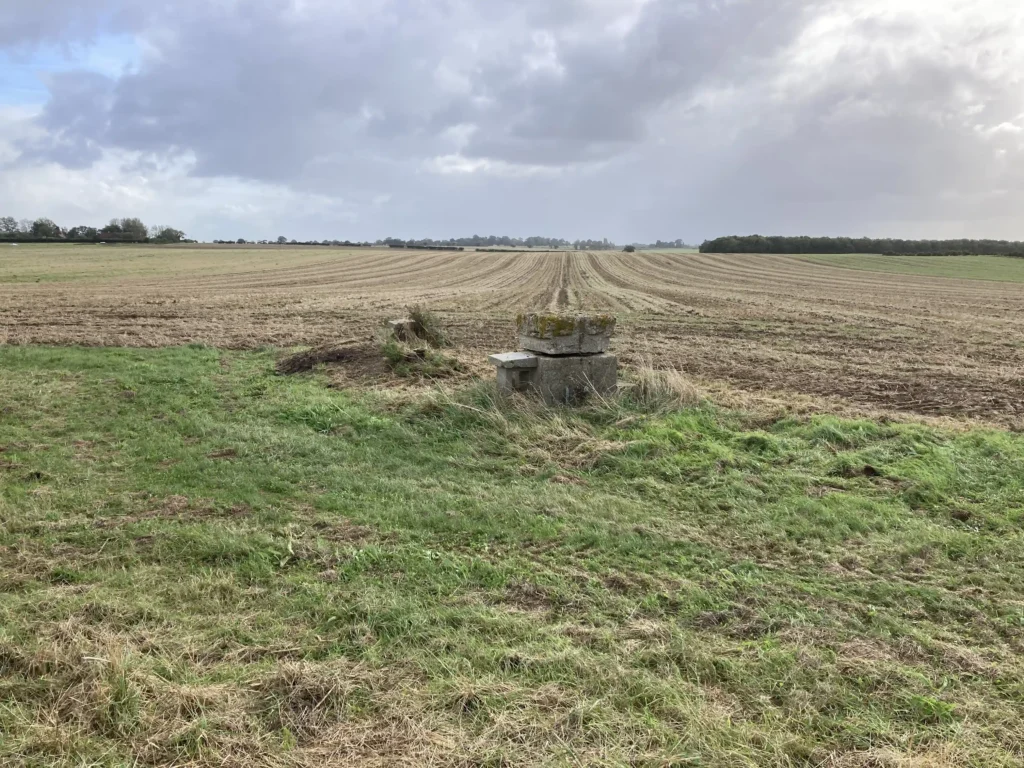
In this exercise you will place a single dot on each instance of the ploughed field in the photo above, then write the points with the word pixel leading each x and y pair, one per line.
pixel 860 330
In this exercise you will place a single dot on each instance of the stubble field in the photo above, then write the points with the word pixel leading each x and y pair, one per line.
pixel 869 336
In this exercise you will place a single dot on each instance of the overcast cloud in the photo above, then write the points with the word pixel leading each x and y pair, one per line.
pixel 626 119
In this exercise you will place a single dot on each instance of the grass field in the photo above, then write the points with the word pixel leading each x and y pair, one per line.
pixel 999 268
pixel 766 551
pixel 208 564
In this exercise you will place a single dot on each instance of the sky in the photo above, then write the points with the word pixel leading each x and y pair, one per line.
pixel 634 120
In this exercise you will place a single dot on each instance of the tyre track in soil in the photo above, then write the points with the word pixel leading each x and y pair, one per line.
pixel 560 295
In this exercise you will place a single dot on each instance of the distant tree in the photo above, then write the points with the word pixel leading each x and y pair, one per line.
pixel 240 241
pixel 45 228
pixel 112 231
pixel 25 227
pixel 8 226
pixel 165 234
pixel 282 240
pixel 841 245
pixel 82 233
pixel 629 249
pixel 133 229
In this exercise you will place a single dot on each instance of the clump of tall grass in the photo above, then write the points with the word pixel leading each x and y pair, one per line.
pixel 659 389
pixel 428 327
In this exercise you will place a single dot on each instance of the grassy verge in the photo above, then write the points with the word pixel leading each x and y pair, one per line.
pixel 997 268
pixel 207 564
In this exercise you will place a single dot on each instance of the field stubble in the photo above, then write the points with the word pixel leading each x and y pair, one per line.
pixel 767 324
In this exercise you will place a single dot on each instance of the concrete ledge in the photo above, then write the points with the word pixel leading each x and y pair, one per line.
pixel 513 360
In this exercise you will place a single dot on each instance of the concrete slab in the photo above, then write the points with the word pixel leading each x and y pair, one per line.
pixel 513 360
pixel 555 334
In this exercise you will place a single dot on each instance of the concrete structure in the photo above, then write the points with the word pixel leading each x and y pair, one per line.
pixel 571 380
pixel 565 335
pixel 516 370
pixel 566 361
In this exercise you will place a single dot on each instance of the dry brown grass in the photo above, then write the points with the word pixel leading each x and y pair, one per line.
pixel 662 388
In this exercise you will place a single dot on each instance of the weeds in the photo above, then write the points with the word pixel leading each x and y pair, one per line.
pixel 411 361
pixel 428 327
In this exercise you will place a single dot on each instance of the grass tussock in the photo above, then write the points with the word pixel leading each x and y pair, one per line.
pixel 655 389
pixel 413 361
pixel 238 568
pixel 429 327
pixel 418 354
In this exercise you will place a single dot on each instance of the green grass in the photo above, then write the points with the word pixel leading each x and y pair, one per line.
pixel 998 268
pixel 207 564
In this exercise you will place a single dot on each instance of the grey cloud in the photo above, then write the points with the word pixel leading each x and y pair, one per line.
pixel 25 23
pixel 255 91
pixel 678 105
pixel 907 146
pixel 606 94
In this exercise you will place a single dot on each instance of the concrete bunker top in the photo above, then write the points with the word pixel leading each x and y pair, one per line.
pixel 557 334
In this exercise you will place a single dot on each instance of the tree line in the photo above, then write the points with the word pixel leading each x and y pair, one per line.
pixel 127 230
pixel 502 241
pixel 133 230
pixel 885 246
pixel 490 242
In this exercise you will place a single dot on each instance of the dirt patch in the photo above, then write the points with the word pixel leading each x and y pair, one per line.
pixel 529 597
pixel 177 508
pixel 342 530
pixel 307 360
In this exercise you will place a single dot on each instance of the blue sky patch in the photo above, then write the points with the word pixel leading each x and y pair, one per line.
pixel 23 75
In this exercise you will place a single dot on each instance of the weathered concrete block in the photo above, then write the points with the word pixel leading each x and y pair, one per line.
pixel 515 370
pixel 568 380
pixel 515 379
pixel 553 334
